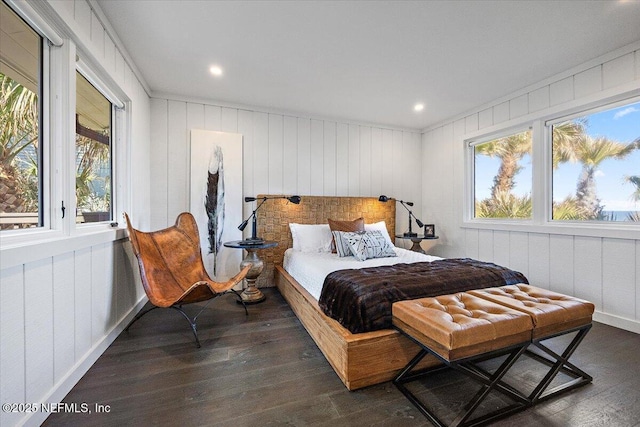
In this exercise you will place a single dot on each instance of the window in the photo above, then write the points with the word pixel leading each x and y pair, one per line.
pixel 576 172
pixel 596 166
pixel 93 153
pixel 503 177
pixel 56 138
pixel 20 123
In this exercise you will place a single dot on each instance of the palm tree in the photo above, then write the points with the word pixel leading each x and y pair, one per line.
pixel 510 150
pixel 27 180
pixel 635 196
pixel 635 180
pixel 565 136
pixel 18 131
pixel 569 209
pixel 504 205
pixel 591 153
pixel 90 156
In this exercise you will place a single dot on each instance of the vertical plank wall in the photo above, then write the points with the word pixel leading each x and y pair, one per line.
pixel 603 270
pixel 55 312
pixel 59 312
pixel 283 154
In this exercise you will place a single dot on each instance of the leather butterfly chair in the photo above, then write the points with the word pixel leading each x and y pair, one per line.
pixel 172 270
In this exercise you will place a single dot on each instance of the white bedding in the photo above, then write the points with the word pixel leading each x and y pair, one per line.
pixel 311 268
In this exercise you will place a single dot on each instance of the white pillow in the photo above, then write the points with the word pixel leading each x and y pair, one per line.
pixel 311 237
pixel 382 227
pixel 368 244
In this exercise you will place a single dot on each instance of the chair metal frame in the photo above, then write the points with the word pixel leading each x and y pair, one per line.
pixel 192 322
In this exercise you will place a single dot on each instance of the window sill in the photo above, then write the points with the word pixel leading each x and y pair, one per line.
pixel 614 231
pixel 51 243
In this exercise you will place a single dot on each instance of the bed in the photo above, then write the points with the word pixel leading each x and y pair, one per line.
pixel 359 360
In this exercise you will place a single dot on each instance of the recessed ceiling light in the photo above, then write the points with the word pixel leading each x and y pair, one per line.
pixel 215 70
pixel 418 107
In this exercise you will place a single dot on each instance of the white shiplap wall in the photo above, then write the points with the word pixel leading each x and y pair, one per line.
pixel 601 269
pixel 59 311
pixel 58 315
pixel 283 154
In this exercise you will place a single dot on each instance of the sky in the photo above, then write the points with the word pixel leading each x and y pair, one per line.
pixel 621 124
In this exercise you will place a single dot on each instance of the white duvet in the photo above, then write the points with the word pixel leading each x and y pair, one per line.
pixel 311 268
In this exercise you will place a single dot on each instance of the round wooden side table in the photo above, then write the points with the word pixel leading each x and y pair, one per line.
pixel 416 241
pixel 251 294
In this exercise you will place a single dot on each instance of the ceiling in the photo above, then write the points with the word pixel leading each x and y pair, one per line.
pixel 365 61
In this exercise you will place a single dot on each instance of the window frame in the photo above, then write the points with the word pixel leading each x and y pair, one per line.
pixel 542 170
pixel 548 134
pixel 44 151
pixel 112 149
pixel 470 173
pixel 119 120
pixel 472 143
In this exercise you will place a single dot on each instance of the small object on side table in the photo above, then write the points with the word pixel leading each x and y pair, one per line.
pixel 416 241
pixel 251 294
pixel 429 231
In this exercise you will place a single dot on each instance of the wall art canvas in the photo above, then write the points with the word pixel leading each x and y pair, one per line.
pixel 216 198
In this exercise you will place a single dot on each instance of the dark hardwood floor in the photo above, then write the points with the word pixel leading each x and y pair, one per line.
pixel 264 369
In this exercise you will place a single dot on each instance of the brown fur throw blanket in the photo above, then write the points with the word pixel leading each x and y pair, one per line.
pixel 361 299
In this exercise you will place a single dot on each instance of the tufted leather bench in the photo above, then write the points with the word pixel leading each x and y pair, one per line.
pixel 551 312
pixel 462 329
pixel 461 325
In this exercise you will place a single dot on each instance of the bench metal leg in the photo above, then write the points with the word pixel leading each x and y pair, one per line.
pixel 489 383
pixel 559 363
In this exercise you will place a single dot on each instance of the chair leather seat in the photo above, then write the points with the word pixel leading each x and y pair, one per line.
pixel 171 268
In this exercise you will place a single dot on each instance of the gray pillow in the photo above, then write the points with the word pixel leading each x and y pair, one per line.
pixel 368 244
pixel 342 246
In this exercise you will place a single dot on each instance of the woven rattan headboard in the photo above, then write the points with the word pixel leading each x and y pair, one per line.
pixel 275 215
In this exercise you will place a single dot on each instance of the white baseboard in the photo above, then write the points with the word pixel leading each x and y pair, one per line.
pixel 618 322
pixel 64 386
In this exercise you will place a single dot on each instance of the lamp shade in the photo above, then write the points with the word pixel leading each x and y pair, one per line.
pixel 242 226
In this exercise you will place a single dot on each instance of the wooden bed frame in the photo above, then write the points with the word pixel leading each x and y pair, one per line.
pixel 359 360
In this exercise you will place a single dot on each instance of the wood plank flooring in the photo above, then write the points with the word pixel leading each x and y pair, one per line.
pixel 264 370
